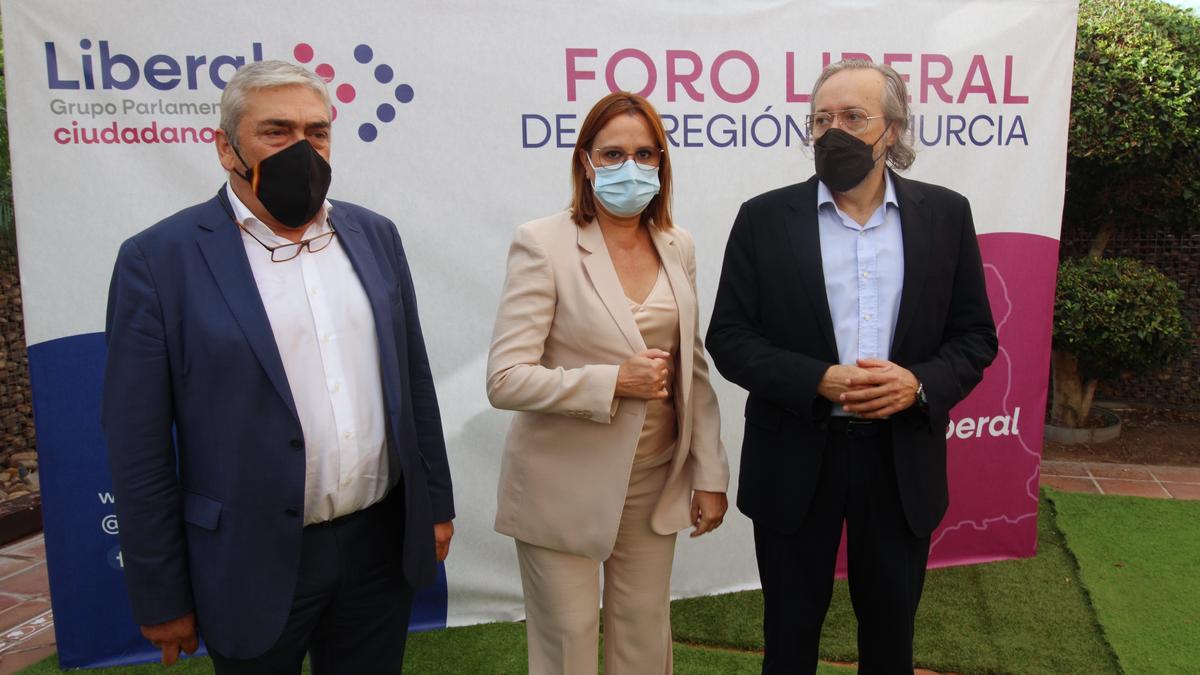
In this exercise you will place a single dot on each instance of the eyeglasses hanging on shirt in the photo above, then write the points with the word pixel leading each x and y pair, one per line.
pixel 286 252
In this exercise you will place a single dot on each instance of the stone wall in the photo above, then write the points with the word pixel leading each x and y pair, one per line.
pixel 18 443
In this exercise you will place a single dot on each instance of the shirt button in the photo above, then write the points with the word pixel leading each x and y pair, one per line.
pixel 337 388
pixel 291 513
pixel 866 275
pixel 326 337
pixel 312 292
pixel 348 435
pixel 296 443
pixel 866 317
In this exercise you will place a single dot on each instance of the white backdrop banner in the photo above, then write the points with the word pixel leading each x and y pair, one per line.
pixel 456 120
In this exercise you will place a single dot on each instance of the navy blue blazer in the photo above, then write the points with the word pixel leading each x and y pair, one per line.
pixel 204 442
pixel 772 334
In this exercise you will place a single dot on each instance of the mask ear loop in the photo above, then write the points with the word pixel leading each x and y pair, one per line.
pixel 873 157
pixel 251 176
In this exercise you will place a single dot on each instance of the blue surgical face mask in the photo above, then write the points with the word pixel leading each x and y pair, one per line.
pixel 624 190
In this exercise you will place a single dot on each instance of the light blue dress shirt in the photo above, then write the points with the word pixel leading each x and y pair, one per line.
pixel 864 273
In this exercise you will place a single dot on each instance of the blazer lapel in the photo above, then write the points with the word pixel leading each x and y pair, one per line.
pixel 671 255
pixel 221 245
pixel 604 279
pixel 918 238
pixel 363 260
pixel 805 237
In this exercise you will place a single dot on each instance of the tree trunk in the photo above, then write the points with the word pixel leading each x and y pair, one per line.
pixel 1100 241
pixel 1072 393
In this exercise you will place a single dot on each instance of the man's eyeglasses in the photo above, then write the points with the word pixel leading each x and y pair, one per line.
pixel 285 252
pixel 854 120
pixel 611 158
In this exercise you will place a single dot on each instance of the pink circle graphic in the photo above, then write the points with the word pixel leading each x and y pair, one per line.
pixel 332 113
pixel 325 72
pixel 345 93
pixel 303 52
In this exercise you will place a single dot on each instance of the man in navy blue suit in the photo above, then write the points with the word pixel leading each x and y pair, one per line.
pixel 274 436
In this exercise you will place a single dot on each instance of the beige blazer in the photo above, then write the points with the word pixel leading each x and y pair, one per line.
pixel 563 329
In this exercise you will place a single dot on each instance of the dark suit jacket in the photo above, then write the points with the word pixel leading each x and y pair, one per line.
pixel 203 438
pixel 772 334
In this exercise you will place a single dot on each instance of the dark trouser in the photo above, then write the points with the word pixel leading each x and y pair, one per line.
pixel 352 603
pixel 886 560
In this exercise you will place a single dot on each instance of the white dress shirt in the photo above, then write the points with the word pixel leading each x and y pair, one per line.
pixel 325 333
pixel 864 273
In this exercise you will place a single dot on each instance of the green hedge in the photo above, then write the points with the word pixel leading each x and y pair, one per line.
pixel 1118 315
pixel 1133 156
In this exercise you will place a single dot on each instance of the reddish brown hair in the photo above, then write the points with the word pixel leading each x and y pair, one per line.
pixel 583 202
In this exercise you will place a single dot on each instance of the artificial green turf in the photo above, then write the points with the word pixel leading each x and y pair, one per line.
pixel 1139 559
pixel 1023 616
pixel 699 660
pixel 1026 616
pixel 493 648
pixel 196 666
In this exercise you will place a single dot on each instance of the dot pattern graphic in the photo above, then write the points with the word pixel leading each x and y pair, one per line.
pixel 348 94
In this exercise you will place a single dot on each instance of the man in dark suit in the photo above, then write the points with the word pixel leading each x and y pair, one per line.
pixel 853 309
pixel 275 441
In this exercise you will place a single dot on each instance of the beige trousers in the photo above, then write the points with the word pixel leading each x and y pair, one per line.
pixel 562 595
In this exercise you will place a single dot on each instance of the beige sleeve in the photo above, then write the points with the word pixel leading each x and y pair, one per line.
pixel 710 465
pixel 516 378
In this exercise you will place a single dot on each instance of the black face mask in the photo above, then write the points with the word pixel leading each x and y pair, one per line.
pixel 843 161
pixel 291 184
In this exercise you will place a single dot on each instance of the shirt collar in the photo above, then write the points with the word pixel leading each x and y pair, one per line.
pixel 251 222
pixel 825 195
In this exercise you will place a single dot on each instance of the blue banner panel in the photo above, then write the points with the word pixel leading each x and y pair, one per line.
pixel 430 605
pixel 92 618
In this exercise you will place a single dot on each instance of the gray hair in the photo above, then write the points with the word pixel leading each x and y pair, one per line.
pixel 895 106
pixel 260 75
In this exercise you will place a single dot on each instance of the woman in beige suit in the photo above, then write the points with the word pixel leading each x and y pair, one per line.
pixel 616 447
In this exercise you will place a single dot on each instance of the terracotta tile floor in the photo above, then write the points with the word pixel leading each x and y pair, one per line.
pixel 1160 482
pixel 27 626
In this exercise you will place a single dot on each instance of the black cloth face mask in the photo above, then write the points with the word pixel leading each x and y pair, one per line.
pixel 291 184
pixel 843 161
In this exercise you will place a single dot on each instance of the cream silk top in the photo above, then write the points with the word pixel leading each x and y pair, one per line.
pixel 657 319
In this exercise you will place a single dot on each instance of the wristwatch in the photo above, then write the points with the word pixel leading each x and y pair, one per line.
pixel 922 399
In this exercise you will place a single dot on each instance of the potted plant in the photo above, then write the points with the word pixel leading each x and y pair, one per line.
pixel 1111 316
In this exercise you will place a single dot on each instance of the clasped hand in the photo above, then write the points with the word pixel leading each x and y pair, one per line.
pixel 645 375
pixel 872 388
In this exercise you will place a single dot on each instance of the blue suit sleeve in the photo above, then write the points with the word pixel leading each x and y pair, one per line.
pixel 428 417
pixel 137 419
